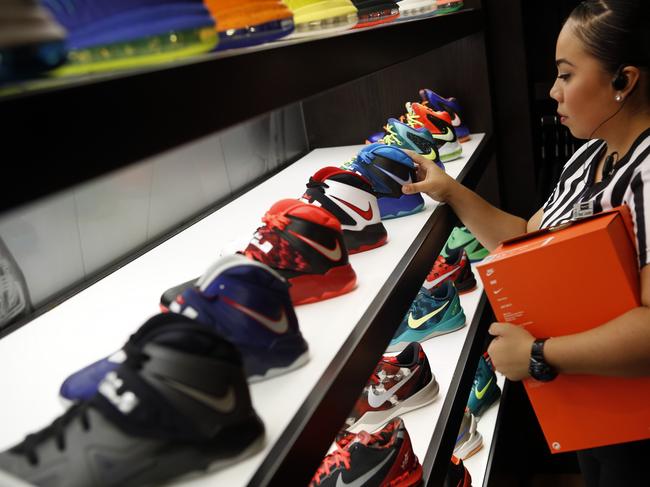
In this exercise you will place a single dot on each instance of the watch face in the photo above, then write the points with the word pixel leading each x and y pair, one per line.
pixel 541 371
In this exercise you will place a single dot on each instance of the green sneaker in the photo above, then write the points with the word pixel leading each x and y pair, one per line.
pixel 461 237
pixel 485 390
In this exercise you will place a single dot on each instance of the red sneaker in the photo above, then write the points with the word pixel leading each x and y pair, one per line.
pixel 304 243
pixel 456 268
pixel 400 384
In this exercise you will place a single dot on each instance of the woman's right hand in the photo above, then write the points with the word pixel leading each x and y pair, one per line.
pixel 430 179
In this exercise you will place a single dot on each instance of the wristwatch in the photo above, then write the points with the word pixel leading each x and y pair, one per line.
pixel 538 368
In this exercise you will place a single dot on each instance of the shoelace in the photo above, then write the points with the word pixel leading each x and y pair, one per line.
pixel 342 453
pixel 413 120
pixel 135 359
pixel 440 262
pixel 334 460
pixel 391 138
pixel 274 220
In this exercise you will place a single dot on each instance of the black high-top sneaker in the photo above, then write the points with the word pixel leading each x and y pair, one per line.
pixel 177 405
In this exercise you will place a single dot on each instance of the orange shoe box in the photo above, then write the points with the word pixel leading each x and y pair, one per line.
pixel 560 282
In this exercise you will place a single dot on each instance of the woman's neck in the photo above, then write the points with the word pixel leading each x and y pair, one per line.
pixel 624 129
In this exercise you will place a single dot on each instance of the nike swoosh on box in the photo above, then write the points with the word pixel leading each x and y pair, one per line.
pixel 334 254
pixel 376 400
pixel 416 323
pixel 366 477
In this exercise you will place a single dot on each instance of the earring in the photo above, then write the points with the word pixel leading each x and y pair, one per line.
pixel 618 97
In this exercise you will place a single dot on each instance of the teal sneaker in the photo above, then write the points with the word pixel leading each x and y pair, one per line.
pixel 485 390
pixel 433 313
pixel 461 237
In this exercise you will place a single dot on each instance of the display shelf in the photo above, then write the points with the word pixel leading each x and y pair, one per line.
pixel 443 353
pixel 98 320
pixel 96 124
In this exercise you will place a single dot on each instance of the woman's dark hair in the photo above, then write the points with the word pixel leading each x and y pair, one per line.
pixel 616 32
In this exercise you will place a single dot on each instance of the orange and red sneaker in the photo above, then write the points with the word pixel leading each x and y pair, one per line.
pixel 440 126
pixel 456 268
pixel 304 243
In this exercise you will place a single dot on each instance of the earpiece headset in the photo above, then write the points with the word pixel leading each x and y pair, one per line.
pixel 620 80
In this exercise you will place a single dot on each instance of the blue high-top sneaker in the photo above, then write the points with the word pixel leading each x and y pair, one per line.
pixel 388 169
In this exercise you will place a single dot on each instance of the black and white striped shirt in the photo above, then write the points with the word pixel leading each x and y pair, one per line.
pixel 629 184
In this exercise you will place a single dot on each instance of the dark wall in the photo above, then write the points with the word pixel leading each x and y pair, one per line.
pixel 347 115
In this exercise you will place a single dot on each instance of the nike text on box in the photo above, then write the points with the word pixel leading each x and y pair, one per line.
pixel 586 275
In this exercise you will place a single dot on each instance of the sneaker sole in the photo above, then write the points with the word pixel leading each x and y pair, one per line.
pixel 374 420
pixel 470 447
pixel 318 287
pixel 206 40
pixel 277 371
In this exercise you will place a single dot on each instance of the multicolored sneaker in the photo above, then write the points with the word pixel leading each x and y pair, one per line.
pixel 350 198
pixel 385 458
pixel 304 244
pixel 440 126
pixel 322 16
pixel 457 474
pixel 452 107
pixel 431 314
pixel 115 34
pixel 455 268
pixel 375 12
pixel 469 440
pixel 448 6
pixel 388 169
pixel 179 404
pixel 415 8
pixel 485 390
pixel 31 41
pixel 399 384
pixel 242 23
pixel 419 140
pixel 462 237
pixel 246 302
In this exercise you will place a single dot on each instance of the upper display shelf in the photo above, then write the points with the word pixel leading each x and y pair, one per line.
pixel 92 124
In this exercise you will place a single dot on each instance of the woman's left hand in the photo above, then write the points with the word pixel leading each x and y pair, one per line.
pixel 510 349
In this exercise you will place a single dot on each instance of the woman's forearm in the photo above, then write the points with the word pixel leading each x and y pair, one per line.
pixel 486 222
pixel 620 347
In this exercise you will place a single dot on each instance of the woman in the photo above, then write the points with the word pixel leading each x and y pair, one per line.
pixel 603 94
